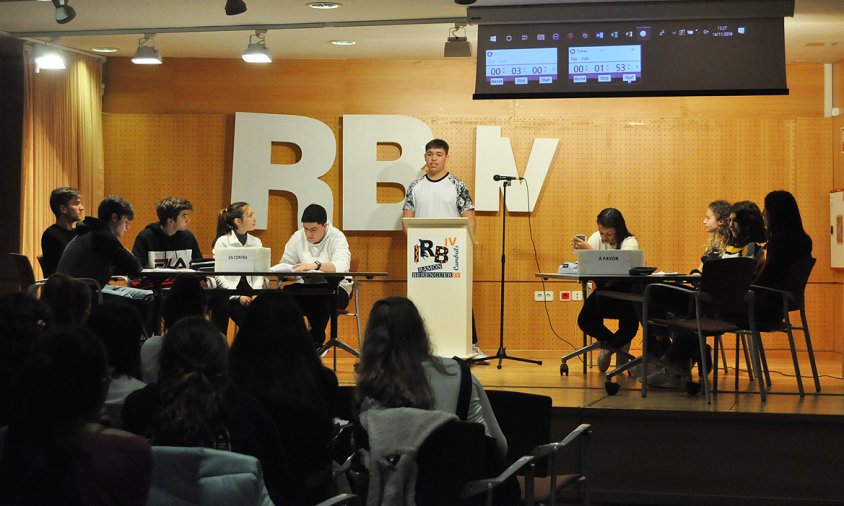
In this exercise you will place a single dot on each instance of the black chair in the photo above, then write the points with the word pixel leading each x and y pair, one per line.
pixel 793 299
pixel 341 499
pixel 724 290
pixel 556 481
pixel 23 271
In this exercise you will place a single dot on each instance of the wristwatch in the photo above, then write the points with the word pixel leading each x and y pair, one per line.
pixel 318 264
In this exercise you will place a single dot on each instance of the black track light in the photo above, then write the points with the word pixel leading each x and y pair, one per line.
pixel 235 7
pixel 64 12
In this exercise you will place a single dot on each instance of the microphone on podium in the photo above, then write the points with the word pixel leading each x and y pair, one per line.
pixel 507 178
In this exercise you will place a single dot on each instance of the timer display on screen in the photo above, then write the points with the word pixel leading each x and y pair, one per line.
pixel 605 64
pixel 521 66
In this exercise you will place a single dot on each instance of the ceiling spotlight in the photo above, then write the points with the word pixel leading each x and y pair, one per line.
pixel 64 12
pixel 48 58
pixel 324 5
pixel 146 55
pixel 343 42
pixel 257 52
pixel 235 7
pixel 464 2
pixel 457 46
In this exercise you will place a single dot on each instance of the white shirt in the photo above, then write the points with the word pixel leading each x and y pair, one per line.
pixel 444 198
pixel 629 242
pixel 332 248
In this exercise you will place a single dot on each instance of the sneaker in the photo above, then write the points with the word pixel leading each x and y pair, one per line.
pixel 476 351
pixel 604 360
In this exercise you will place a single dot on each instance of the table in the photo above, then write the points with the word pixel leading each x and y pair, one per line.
pixel 633 297
pixel 330 287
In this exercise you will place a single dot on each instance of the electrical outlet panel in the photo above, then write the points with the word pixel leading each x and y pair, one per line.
pixel 549 295
pixel 565 295
pixel 576 295
pixel 538 295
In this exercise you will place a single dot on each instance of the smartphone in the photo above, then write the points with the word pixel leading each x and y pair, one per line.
pixel 582 237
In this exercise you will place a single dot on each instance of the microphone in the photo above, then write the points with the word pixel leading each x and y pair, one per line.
pixel 507 178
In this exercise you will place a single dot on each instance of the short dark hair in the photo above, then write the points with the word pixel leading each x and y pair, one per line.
pixel 171 207
pixel 314 213
pixel 437 143
pixel 62 196
pixel 115 204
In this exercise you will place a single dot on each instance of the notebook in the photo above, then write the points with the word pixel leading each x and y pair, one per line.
pixel 608 261
pixel 244 259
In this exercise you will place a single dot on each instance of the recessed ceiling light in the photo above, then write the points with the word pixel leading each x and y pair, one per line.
pixel 343 42
pixel 324 5
pixel 104 49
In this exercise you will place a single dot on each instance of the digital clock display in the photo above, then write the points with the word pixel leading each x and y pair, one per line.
pixel 521 66
pixel 605 64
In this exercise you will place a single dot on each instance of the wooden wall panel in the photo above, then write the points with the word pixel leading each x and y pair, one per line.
pixel 658 160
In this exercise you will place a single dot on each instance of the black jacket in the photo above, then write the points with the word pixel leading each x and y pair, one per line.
pixel 96 253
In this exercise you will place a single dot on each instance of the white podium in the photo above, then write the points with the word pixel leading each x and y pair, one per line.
pixel 439 280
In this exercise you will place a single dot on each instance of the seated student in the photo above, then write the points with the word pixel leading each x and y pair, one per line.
pixel 96 252
pixel 233 226
pixel 120 328
pixel 23 320
pixel 69 299
pixel 195 404
pixel 717 224
pixel 66 204
pixel 168 243
pixel 273 359
pixel 54 451
pixel 747 231
pixel 317 246
pixel 612 234
pixel 186 298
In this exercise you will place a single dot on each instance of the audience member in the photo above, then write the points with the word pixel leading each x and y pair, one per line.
pixel 747 231
pixel 194 403
pixel 120 328
pixel 23 320
pixel 168 243
pixel 273 359
pixel 612 234
pixel 69 299
pixel 233 226
pixel 54 451
pixel 66 204
pixel 185 298
pixel 317 246
pixel 717 224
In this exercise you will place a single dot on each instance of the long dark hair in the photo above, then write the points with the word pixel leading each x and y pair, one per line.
pixel 612 218
pixel 751 225
pixel 120 327
pixel 69 299
pixel 61 388
pixel 394 348
pixel 784 221
pixel 186 298
pixel 192 382
pixel 273 358
pixel 225 220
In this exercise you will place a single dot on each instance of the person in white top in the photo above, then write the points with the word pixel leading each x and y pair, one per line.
pixel 612 234
pixel 317 246
pixel 233 226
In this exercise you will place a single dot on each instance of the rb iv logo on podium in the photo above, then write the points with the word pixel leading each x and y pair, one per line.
pixel 436 258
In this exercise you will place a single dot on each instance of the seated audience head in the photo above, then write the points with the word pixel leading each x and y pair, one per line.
pixel 116 213
pixel 612 227
pixel 782 216
pixel 186 298
pixel 717 222
pixel 120 328
pixel 238 217
pixel 194 359
pixel 273 355
pixel 173 214
pixel 69 299
pixel 394 348
pixel 66 204
pixel 59 391
pixel 746 224
pixel 314 219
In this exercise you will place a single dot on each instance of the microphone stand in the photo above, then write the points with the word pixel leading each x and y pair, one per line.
pixel 501 354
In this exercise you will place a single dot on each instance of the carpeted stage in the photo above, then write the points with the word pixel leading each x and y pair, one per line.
pixel 673 448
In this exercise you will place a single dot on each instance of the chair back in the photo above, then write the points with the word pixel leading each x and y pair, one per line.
pixel 23 270
pixel 451 456
pixel 796 280
pixel 727 280
pixel 525 420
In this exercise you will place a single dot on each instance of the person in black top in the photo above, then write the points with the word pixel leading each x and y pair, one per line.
pixel 66 204
pixel 168 243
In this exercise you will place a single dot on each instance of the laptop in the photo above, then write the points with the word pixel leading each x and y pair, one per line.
pixel 608 261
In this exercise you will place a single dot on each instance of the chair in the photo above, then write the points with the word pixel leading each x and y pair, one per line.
pixel 550 451
pixel 23 270
pixel 724 290
pixel 355 313
pixel 200 476
pixel 793 299
pixel 341 500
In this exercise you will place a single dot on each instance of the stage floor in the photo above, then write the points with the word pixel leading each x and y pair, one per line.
pixel 587 391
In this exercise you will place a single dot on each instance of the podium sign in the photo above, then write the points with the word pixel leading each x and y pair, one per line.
pixel 244 259
pixel 439 280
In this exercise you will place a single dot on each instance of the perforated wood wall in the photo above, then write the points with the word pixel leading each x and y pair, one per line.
pixel 659 171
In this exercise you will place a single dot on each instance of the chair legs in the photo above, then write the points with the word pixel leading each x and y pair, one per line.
pixel 805 329
pixel 755 352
